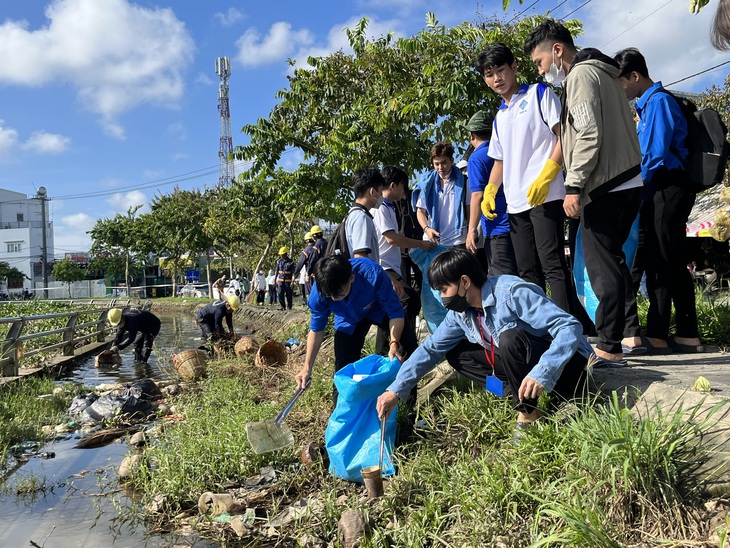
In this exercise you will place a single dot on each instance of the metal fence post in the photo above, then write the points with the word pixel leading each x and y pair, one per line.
pixel 101 325
pixel 69 334
pixel 10 349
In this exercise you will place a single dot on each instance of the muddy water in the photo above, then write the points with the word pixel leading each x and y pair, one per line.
pixel 69 512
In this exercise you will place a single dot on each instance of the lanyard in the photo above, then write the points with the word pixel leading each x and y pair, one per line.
pixel 490 359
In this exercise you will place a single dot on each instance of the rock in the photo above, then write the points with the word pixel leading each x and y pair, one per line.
pixel 242 524
pixel 58 391
pixel 342 500
pixel 64 428
pixel 172 390
pixel 158 504
pixel 138 440
pixel 129 466
pixel 351 528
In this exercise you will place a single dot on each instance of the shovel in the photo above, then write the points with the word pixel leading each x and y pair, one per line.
pixel 272 434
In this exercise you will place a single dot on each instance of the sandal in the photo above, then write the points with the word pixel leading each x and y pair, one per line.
pixel 680 348
pixel 652 350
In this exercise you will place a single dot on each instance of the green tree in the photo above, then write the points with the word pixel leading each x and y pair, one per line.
pixel 69 272
pixel 115 245
pixel 383 104
pixel 8 273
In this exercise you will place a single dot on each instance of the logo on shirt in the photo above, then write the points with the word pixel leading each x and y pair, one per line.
pixel 523 105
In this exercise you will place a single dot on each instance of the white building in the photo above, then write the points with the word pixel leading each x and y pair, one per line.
pixel 21 236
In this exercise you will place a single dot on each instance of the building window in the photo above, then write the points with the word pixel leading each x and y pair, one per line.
pixel 19 217
pixel 14 247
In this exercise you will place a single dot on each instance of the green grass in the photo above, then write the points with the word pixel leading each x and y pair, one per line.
pixel 591 477
pixel 23 412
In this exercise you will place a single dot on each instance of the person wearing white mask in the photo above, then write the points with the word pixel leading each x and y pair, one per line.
pixel 602 159
pixel 362 238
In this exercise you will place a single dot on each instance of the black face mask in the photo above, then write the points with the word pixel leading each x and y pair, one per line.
pixel 457 303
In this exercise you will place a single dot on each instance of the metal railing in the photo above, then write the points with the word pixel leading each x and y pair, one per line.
pixel 75 333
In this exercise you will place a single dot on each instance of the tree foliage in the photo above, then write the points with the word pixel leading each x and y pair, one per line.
pixel 8 272
pixel 68 272
pixel 385 103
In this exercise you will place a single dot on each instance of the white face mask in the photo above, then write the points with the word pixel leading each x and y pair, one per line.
pixel 555 76
pixel 378 202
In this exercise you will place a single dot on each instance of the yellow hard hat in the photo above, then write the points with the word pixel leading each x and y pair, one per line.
pixel 234 302
pixel 283 250
pixel 315 230
pixel 115 316
pixel 307 236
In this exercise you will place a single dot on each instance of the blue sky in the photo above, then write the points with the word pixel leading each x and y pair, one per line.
pixel 119 98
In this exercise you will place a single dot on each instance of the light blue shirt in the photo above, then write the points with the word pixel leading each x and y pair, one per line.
pixel 508 303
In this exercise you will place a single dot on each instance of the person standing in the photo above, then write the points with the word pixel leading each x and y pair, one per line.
pixel 271 283
pixel 138 327
pixel 527 155
pixel 603 170
pixel 320 248
pixel 362 239
pixel 668 200
pixel 260 286
pixel 284 278
pixel 301 274
pixel 441 199
pixel 497 241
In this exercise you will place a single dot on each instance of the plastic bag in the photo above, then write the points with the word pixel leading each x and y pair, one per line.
pixel 109 406
pixel 433 309
pixel 580 273
pixel 353 431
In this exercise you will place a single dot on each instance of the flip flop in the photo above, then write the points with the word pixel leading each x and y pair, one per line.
pixel 652 350
pixel 633 350
pixel 680 348
pixel 601 363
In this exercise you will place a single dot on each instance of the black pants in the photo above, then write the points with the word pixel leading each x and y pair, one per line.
pixel 518 353
pixel 411 273
pixel 543 228
pixel 303 292
pixel 664 218
pixel 272 294
pixel 500 255
pixel 285 295
pixel 348 348
pixel 411 304
pixel 260 296
pixel 143 346
pixel 605 224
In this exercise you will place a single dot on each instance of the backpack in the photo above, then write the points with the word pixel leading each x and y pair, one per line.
pixel 338 243
pixel 708 149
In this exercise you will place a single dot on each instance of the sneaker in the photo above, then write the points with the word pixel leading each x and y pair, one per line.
pixel 601 363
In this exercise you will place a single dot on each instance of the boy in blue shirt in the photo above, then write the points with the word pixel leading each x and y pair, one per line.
pixel 667 202
pixel 360 294
pixel 498 328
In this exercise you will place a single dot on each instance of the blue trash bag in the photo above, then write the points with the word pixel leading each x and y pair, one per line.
pixel 580 274
pixel 352 437
pixel 433 309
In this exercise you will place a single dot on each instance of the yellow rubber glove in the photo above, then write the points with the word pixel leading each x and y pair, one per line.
pixel 488 203
pixel 538 190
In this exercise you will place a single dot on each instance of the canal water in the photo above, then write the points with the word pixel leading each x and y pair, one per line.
pixel 75 508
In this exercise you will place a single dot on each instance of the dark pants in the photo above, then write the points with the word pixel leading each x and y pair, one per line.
pixel 411 273
pixel 272 294
pixel 664 218
pixel 411 303
pixel 605 224
pixel 348 348
pixel 260 296
pixel 143 346
pixel 518 353
pixel 303 292
pixel 543 228
pixel 579 311
pixel 500 255
pixel 285 295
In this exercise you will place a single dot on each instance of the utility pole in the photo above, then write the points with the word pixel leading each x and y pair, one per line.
pixel 42 195
pixel 226 172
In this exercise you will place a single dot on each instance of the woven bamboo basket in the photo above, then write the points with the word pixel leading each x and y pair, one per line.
pixel 246 345
pixel 107 359
pixel 272 354
pixel 190 364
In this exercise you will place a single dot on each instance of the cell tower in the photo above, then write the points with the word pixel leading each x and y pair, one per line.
pixel 226 172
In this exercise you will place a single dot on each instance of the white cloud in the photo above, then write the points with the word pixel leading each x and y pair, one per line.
pixel 8 139
pixel 42 142
pixel 122 201
pixel 674 42
pixel 282 42
pixel 178 131
pixel 177 156
pixel 118 55
pixel 230 17
pixel 204 79
pixel 278 44
pixel 69 234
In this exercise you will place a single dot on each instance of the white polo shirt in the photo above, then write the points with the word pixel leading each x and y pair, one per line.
pixel 447 213
pixel 361 234
pixel 385 220
pixel 523 140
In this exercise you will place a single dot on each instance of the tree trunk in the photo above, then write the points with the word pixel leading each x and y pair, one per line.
pixel 174 279
pixel 126 273
pixel 207 272
pixel 265 253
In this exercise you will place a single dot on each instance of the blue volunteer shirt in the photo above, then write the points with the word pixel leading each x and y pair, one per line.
pixel 371 296
pixel 478 169
pixel 662 132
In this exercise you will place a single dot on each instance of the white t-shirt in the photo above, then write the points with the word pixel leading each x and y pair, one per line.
pixel 385 220
pixel 361 234
pixel 447 214
pixel 523 140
